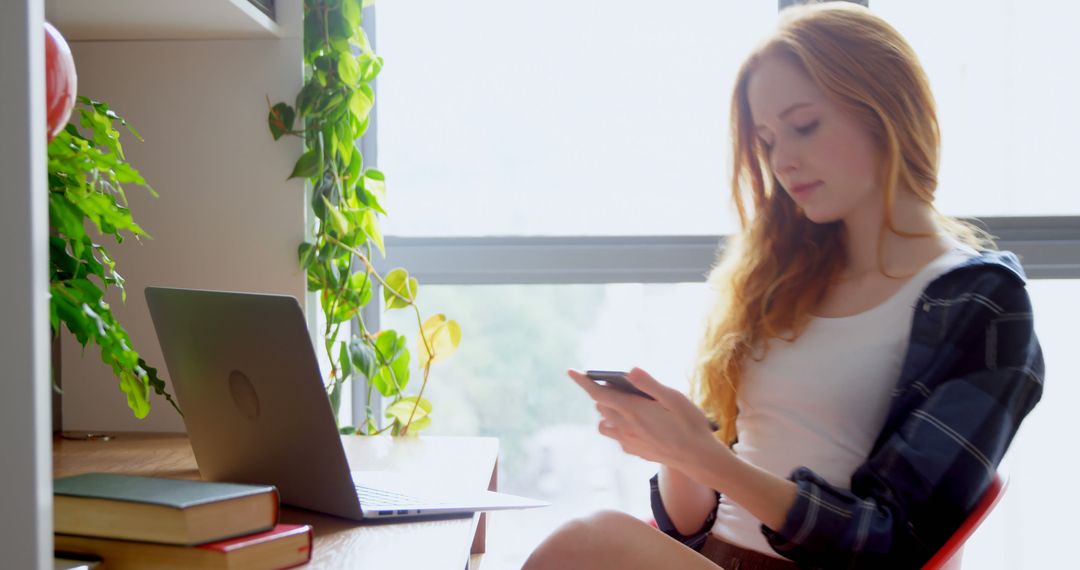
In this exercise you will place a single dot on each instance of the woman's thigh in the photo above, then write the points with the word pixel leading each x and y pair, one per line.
pixel 611 539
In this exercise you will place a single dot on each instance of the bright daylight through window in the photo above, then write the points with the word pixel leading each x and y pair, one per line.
pixel 604 118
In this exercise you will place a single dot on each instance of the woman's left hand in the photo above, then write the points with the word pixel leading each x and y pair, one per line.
pixel 670 430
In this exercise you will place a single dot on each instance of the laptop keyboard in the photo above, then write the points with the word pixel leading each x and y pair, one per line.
pixel 371 497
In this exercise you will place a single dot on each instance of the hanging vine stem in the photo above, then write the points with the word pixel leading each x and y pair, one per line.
pixel 370 269
pixel 333 108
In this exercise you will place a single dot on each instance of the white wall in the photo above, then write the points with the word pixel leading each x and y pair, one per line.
pixel 226 217
pixel 25 489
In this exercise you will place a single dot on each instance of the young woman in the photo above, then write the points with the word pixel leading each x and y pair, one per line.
pixel 867 361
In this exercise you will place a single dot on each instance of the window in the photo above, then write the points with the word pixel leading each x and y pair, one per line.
pixel 558 183
pixel 516 118
pixel 1005 99
pixel 508 380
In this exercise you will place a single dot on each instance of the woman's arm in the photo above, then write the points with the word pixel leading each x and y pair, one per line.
pixel 764 495
pixel 672 431
pixel 687 502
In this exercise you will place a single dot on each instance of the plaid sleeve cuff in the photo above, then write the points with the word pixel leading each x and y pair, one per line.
pixel 663 521
pixel 820 513
pixel 833 527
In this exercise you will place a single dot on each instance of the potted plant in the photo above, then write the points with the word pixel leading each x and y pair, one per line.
pixel 331 112
pixel 87 173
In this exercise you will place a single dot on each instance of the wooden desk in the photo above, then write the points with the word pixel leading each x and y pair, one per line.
pixel 461 462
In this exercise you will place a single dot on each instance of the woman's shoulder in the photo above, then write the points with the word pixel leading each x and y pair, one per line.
pixel 985 287
pixel 981 270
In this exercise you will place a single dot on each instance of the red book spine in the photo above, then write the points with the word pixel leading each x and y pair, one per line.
pixel 279 531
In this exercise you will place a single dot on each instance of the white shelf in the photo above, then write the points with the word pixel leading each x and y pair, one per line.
pixel 85 20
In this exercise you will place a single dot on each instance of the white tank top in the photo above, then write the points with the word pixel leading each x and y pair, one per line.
pixel 820 401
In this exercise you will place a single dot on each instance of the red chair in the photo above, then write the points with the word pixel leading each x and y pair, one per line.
pixel 948 557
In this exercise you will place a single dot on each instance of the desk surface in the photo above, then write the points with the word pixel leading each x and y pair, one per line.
pixel 461 462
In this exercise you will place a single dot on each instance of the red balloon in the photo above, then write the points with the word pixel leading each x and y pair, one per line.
pixel 61 83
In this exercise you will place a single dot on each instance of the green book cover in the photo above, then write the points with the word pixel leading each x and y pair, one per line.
pixel 176 493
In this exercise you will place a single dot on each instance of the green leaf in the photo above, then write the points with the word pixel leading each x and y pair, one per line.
pixel 420 424
pixel 313 37
pixel 361 101
pixel 138 397
pixel 322 66
pixel 370 66
pixel 388 345
pixel 375 182
pixel 316 277
pixel 351 11
pixel 68 220
pixel 360 285
pixel 329 252
pixel 54 319
pixel 400 367
pixel 356 162
pixel 338 27
pixel 362 41
pixel 88 292
pixel 335 399
pixel 360 126
pixel 374 185
pixel 363 357
pixel 307 166
pixel 345 147
pixel 306 253
pixel 281 120
pixel 326 296
pixel 383 381
pixel 344 361
pixel 400 290
pixel 441 336
pixel 348 69
pixel 370 225
pixel 307 98
pixel 401 409
pixel 326 189
pixel 393 373
pixel 337 220
pixel 347 430
pixel 329 141
pixel 344 309
pixel 69 310
pixel 333 106
pixel 158 385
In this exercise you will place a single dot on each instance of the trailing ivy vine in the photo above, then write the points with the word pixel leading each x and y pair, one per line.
pixel 87 171
pixel 333 110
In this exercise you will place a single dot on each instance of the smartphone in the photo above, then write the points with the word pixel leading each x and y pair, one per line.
pixel 616 380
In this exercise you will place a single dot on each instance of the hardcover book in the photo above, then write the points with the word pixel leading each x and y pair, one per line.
pixel 284 546
pixel 154 509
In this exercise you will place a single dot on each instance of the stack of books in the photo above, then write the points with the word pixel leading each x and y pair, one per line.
pixel 150 522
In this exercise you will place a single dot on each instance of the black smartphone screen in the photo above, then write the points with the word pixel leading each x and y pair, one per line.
pixel 615 379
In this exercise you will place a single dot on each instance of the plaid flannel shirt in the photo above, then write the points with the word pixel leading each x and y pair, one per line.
pixel 972 372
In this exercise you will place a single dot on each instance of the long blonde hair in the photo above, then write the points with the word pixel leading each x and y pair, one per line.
pixel 778 268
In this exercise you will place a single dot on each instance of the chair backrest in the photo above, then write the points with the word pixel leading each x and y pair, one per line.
pixel 948 556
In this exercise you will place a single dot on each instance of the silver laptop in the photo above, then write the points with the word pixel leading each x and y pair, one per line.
pixel 246 376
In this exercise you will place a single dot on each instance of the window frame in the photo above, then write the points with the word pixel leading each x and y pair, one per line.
pixel 1048 248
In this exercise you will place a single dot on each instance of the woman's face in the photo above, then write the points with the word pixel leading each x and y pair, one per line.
pixel 809 140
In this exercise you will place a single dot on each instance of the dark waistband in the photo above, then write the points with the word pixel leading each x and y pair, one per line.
pixel 731 557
